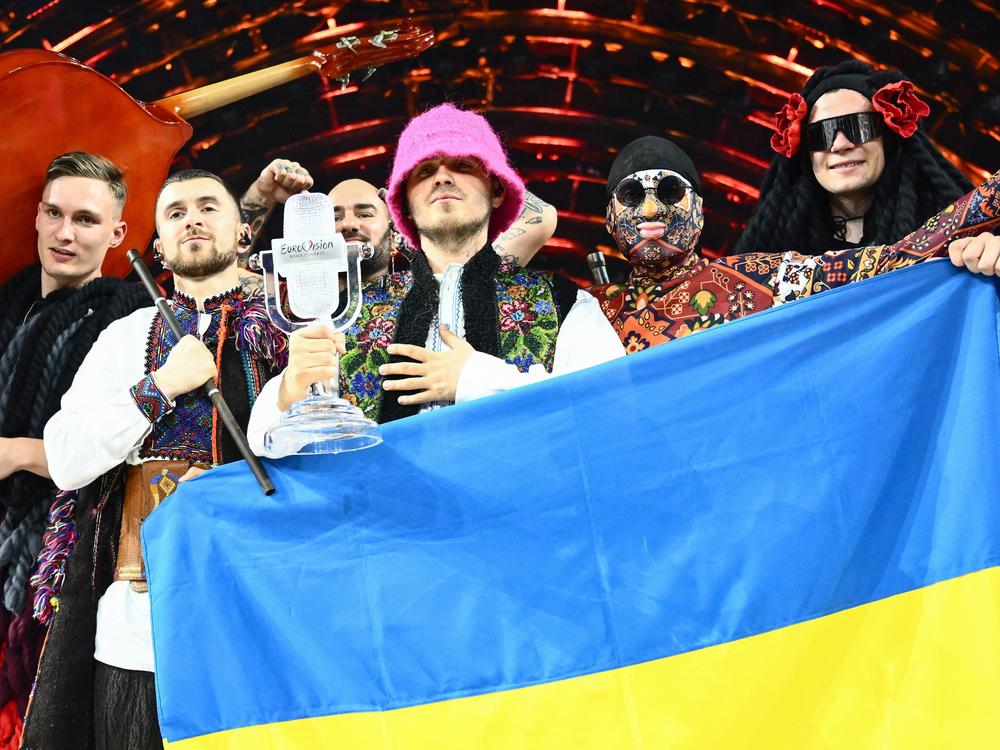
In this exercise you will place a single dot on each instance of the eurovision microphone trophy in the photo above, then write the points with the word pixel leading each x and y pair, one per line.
pixel 322 276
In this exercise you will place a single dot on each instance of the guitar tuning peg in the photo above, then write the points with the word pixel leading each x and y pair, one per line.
pixel 369 72
pixel 388 35
pixel 349 42
pixel 344 80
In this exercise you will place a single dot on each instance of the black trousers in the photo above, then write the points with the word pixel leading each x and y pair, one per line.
pixel 125 710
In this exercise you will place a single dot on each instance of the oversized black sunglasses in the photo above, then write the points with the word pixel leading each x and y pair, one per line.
pixel 858 128
pixel 670 191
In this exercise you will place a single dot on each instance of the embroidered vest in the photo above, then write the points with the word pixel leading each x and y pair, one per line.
pixel 510 312
pixel 248 351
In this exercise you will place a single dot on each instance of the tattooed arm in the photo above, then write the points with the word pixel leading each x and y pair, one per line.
pixel 532 229
pixel 279 180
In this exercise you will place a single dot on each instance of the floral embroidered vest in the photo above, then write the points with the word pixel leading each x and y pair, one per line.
pixel 510 312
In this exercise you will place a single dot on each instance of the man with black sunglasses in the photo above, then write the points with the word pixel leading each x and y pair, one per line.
pixel 853 166
pixel 857 128
pixel 655 216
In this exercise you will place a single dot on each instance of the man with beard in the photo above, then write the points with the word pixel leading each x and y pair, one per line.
pixel 134 424
pixel 463 322
pixel 655 216
pixel 50 315
pixel 361 214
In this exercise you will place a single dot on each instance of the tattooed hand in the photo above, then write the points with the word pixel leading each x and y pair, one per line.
pixel 279 180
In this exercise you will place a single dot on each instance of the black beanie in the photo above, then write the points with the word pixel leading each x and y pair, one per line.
pixel 652 152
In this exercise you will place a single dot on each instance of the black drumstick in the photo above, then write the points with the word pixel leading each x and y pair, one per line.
pixel 228 420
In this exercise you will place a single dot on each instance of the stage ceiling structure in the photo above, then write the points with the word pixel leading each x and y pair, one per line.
pixel 566 82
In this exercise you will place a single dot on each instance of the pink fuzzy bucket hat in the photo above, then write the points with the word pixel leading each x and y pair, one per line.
pixel 446 130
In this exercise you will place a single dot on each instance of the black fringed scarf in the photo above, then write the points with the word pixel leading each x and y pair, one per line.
pixel 482 329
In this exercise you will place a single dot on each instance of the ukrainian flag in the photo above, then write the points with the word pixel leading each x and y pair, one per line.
pixel 779 533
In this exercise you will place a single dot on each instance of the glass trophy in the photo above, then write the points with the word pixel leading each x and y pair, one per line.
pixel 322 284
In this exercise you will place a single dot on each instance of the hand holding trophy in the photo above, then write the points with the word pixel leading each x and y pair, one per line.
pixel 323 285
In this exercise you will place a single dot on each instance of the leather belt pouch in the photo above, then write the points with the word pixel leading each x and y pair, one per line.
pixel 146 486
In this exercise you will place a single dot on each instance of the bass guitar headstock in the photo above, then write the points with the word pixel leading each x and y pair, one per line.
pixel 352 53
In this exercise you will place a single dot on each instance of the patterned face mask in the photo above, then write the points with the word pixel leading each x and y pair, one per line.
pixel 653 215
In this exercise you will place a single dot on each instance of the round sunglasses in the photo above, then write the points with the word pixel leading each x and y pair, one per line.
pixel 670 191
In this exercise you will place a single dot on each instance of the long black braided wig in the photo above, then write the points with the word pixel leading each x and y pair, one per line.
pixel 39 357
pixel 794 211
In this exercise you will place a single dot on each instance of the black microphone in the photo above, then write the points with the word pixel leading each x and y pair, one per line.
pixel 598 268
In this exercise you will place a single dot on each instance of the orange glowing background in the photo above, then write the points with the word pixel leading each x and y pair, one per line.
pixel 567 82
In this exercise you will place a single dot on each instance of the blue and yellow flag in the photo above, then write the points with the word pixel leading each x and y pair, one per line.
pixel 779 533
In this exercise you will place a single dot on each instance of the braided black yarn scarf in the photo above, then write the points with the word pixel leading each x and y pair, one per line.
pixel 38 359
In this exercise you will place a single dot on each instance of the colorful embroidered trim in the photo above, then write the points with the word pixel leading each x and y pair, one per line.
pixel 369 338
pixel 192 431
pixel 150 399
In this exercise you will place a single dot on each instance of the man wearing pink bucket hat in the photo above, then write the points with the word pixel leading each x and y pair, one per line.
pixel 463 322
pixel 448 132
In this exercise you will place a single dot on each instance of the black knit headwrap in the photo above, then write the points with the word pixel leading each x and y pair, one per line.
pixel 652 152
pixel 853 81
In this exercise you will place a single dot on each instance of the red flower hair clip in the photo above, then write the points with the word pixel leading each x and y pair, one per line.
pixel 788 126
pixel 900 107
